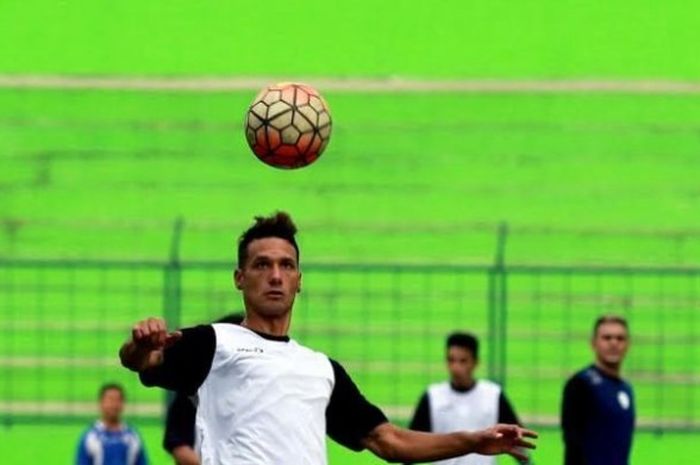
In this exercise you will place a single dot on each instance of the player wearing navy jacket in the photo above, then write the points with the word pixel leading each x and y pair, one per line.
pixel 598 410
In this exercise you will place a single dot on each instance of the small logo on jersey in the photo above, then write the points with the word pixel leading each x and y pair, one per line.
pixel 624 399
pixel 254 350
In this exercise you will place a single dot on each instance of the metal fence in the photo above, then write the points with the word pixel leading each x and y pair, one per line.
pixel 63 322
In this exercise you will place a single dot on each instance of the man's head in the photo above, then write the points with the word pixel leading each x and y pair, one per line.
pixel 462 358
pixel 111 397
pixel 268 266
pixel 610 340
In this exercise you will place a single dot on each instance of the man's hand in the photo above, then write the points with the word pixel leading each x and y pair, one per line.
pixel 185 455
pixel 149 338
pixel 504 439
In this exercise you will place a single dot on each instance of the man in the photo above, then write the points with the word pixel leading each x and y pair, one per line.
pixel 597 414
pixel 463 402
pixel 178 438
pixel 109 441
pixel 265 399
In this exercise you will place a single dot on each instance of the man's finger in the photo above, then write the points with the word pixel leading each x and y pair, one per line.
pixel 528 433
pixel 526 444
pixel 172 338
pixel 518 454
pixel 140 331
pixel 155 326
pixel 145 331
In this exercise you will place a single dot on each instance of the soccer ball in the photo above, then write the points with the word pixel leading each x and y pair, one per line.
pixel 288 125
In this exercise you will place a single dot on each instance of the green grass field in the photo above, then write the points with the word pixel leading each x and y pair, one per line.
pixel 409 178
pixel 647 448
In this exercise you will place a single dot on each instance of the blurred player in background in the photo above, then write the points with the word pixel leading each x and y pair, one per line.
pixel 463 402
pixel 110 441
pixel 597 414
pixel 179 437
pixel 265 399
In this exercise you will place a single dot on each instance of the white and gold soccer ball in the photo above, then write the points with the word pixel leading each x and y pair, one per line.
pixel 288 125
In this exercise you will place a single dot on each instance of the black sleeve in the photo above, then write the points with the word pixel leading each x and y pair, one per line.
pixel 349 416
pixel 421 417
pixel 179 423
pixel 186 364
pixel 574 405
pixel 506 414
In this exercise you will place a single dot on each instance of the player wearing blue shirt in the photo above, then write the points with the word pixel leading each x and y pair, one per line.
pixel 109 441
pixel 598 410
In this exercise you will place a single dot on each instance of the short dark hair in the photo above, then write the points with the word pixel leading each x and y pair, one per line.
pixel 466 341
pixel 603 319
pixel 109 387
pixel 279 224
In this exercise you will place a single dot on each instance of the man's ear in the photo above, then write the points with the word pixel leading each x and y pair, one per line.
pixel 238 278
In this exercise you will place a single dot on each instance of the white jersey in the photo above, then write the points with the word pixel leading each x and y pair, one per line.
pixel 447 410
pixel 256 392
pixel 263 400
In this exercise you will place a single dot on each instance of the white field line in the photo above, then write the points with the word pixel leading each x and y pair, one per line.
pixel 353 85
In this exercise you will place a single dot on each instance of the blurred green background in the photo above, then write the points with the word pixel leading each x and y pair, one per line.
pixel 581 178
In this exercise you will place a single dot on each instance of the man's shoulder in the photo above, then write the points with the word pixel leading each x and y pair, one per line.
pixel 90 430
pixel 438 389
pixel 587 375
pixel 310 352
pixel 584 380
pixel 489 386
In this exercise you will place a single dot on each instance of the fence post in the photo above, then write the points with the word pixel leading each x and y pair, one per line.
pixel 498 304
pixel 172 289
pixel 171 275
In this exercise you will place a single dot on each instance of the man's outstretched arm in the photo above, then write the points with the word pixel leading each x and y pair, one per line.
pixel 396 444
pixel 178 360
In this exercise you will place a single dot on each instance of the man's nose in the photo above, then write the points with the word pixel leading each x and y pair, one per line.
pixel 275 274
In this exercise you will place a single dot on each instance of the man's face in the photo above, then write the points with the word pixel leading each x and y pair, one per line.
pixel 461 365
pixel 610 343
pixel 112 405
pixel 270 277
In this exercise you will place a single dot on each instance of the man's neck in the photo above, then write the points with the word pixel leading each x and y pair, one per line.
pixel 608 369
pixel 112 425
pixel 462 386
pixel 272 326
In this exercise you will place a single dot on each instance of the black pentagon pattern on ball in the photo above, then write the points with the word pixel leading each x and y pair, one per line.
pixel 288 125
